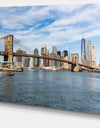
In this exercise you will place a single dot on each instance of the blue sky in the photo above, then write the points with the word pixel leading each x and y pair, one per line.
pixel 60 25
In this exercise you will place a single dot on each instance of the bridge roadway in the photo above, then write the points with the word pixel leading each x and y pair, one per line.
pixel 50 58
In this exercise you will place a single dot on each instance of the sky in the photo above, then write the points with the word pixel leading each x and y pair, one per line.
pixel 56 25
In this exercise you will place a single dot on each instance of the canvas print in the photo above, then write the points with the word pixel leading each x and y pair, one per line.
pixel 50 56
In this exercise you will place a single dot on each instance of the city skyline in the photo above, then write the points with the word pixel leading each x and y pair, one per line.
pixel 53 25
pixel 90 58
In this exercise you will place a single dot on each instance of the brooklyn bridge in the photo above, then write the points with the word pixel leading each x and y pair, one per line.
pixel 10 41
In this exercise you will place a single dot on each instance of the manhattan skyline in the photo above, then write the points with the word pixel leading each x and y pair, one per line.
pixel 61 25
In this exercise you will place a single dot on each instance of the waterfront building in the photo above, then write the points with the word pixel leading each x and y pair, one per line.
pixel 36 60
pixel 23 59
pixel 41 62
pixel 59 53
pixel 1 64
pixel 19 60
pixel 89 53
pixel 62 63
pixel 47 60
pixel 44 52
pixel 31 63
pixel 57 63
pixel 83 49
pixel 27 60
pixel 93 56
pixel 99 64
pixel 52 62
pixel 54 50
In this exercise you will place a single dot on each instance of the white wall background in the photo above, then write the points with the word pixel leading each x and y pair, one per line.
pixel 16 116
pixel 43 2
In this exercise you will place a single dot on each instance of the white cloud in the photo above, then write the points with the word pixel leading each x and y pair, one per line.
pixel 66 28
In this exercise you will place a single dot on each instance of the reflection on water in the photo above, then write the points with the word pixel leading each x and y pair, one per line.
pixel 55 89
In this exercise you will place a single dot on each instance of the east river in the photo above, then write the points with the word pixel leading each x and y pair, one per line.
pixel 53 89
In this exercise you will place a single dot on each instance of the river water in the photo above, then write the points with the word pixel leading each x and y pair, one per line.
pixel 53 89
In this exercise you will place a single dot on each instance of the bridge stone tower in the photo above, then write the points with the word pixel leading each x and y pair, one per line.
pixel 74 59
pixel 8 47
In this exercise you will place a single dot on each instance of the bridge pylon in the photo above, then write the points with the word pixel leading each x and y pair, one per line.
pixel 74 66
pixel 8 47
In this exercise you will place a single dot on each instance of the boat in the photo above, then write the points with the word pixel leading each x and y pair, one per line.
pixel 54 69
pixel 11 74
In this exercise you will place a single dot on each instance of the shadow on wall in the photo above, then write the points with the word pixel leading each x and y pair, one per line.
pixel 52 111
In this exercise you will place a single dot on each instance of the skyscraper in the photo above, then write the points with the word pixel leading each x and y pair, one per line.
pixel 89 53
pixel 31 63
pixel 27 60
pixel 99 64
pixel 65 53
pixel 57 63
pixel 23 59
pixel 93 56
pixel 54 50
pixel 83 49
pixel 41 60
pixel 59 53
pixel 45 49
pixel 36 60
pixel 19 60
pixel 48 52
pixel 52 62
pixel 44 52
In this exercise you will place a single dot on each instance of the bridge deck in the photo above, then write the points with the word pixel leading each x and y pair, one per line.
pixel 47 57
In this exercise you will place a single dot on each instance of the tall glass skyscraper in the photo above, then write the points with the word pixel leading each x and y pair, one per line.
pixel 65 53
pixel 59 53
pixel 36 60
pixel 83 50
